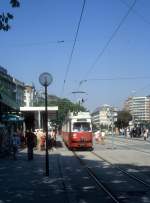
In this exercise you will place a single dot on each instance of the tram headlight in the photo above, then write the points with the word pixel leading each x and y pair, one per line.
pixel 74 135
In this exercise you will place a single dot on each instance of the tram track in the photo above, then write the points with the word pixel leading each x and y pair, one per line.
pixel 117 195
pixel 99 183
pixel 134 177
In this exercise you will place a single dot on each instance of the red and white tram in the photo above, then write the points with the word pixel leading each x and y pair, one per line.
pixel 77 130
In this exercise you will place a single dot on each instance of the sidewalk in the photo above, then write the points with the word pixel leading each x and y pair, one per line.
pixel 25 181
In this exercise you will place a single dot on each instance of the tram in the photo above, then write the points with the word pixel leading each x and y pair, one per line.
pixel 77 131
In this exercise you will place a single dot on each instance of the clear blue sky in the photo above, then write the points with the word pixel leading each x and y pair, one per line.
pixel 31 47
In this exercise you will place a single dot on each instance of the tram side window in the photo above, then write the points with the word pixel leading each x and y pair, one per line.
pixel 77 127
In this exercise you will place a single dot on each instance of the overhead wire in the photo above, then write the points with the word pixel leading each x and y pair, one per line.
pixel 101 53
pixel 120 78
pixel 22 45
pixel 73 48
pixel 136 12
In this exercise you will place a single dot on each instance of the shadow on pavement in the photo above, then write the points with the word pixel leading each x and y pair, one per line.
pixel 25 181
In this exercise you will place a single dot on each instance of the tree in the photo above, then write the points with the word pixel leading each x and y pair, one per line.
pixel 123 119
pixel 64 106
pixel 5 17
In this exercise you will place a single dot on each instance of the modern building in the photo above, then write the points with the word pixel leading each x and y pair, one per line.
pixel 102 116
pixel 139 107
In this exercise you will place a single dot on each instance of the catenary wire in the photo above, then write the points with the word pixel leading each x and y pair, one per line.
pixel 120 78
pixel 135 11
pixel 73 47
pixel 22 45
pixel 100 54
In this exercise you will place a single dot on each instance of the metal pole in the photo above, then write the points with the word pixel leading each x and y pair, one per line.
pixel 46 129
pixel 112 117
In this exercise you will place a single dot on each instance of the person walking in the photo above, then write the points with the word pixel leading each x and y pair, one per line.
pixel 53 138
pixel 15 145
pixel 30 138
pixel 102 137
pixel 98 136
pixel 145 134
pixel 42 141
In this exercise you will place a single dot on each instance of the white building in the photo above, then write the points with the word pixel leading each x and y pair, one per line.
pixel 139 107
pixel 29 95
pixel 101 116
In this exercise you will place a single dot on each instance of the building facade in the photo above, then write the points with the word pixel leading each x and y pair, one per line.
pixel 101 116
pixel 139 107
pixel 19 90
pixel 29 95
pixel 7 92
pixel 11 92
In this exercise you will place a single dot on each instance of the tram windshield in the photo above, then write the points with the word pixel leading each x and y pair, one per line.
pixel 84 126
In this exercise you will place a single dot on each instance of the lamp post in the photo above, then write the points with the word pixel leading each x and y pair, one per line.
pixel 45 80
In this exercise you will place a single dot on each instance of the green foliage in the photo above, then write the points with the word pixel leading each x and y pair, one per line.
pixel 64 106
pixel 5 17
pixel 15 3
pixel 123 119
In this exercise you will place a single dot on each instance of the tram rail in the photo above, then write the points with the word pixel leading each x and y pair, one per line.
pixel 99 183
pixel 123 171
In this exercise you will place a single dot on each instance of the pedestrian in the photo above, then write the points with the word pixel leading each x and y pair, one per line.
pixel 102 137
pixel 53 138
pixel 35 140
pixel 21 136
pixel 145 134
pixel 15 144
pixel 49 140
pixel 42 141
pixel 30 138
pixel 98 136
pixel 38 135
pixel 128 133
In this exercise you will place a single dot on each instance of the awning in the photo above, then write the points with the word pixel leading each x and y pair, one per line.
pixel 11 118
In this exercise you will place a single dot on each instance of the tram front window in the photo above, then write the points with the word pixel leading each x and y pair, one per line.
pixel 77 127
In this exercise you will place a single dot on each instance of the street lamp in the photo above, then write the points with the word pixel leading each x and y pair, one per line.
pixel 45 80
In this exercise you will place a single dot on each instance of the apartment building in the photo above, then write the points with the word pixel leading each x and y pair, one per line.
pixel 101 116
pixel 139 107
pixel 11 92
